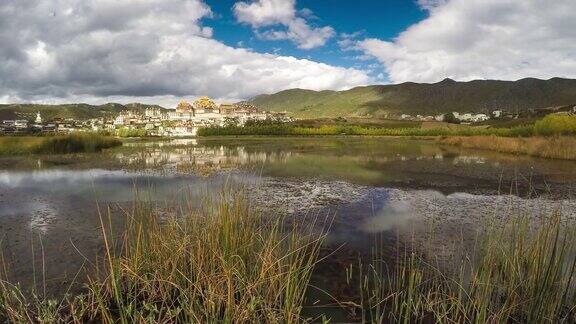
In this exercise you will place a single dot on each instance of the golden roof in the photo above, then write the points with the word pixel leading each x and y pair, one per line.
pixel 204 103
pixel 184 106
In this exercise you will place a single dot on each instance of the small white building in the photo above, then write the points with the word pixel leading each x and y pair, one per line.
pixel 38 118
pixel 466 117
pixel 480 118
pixel 21 124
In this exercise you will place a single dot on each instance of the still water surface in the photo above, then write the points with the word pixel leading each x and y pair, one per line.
pixel 370 186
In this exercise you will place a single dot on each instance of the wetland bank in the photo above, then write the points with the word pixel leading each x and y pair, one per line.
pixel 350 201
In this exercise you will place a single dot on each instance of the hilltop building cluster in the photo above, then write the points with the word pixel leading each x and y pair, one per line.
pixel 183 121
pixel 188 117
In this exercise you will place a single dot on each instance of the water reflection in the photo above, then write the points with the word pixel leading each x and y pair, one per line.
pixel 50 196
pixel 190 157
pixel 370 186
pixel 377 162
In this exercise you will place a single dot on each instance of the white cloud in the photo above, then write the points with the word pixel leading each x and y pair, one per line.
pixel 476 39
pixel 431 4
pixel 299 32
pixel 349 41
pixel 138 50
pixel 266 13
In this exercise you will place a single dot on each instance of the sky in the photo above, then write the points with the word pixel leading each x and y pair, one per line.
pixel 163 51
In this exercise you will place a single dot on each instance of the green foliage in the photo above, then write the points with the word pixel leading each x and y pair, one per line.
pixel 279 129
pixel 78 111
pixel 328 130
pixel 131 132
pixel 556 124
pixel 450 118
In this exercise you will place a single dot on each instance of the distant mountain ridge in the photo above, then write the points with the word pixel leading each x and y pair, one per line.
pixel 423 98
pixel 78 111
pixel 370 101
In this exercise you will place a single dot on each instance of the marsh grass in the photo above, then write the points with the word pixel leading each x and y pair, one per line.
pixel 59 144
pixel 520 272
pixel 222 263
pixel 331 130
pixel 562 147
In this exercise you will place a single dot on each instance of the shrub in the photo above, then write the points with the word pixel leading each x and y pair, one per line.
pixel 273 129
pixel 556 124
pixel 128 132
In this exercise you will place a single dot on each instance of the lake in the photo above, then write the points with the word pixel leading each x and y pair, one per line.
pixel 366 188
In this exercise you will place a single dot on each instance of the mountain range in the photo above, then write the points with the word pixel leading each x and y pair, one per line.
pixel 424 98
pixel 77 111
pixel 479 96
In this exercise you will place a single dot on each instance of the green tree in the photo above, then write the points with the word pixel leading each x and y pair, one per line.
pixel 450 118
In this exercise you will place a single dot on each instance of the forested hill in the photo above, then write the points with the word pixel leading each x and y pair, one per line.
pixel 78 111
pixel 422 98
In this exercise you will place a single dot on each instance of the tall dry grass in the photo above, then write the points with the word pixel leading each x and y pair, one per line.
pixel 563 147
pixel 520 272
pixel 222 263
pixel 58 144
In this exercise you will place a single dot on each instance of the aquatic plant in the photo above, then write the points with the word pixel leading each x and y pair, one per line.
pixel 521 271
pixel 222 262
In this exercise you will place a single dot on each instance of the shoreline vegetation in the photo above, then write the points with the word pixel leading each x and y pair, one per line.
pixel 561 147
pixel 551 125
pixel 225 263
pixel 59 144
pixel 551 137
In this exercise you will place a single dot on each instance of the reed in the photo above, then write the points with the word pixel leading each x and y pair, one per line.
pixel 59 144
pixel 562 147
pixel 221 263
pixel 330 130
pixel 521 272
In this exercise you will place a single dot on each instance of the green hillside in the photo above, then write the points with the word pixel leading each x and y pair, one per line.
pixel 77 111
pixel 426 99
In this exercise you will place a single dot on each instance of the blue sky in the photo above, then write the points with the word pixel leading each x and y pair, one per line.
pixel 160 51
pixel 382 19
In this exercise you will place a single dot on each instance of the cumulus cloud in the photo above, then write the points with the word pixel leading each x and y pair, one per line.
pixel 134 50
pixel 482 39
pixel 265 13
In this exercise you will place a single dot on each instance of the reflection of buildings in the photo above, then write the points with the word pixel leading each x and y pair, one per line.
pixel 191 156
